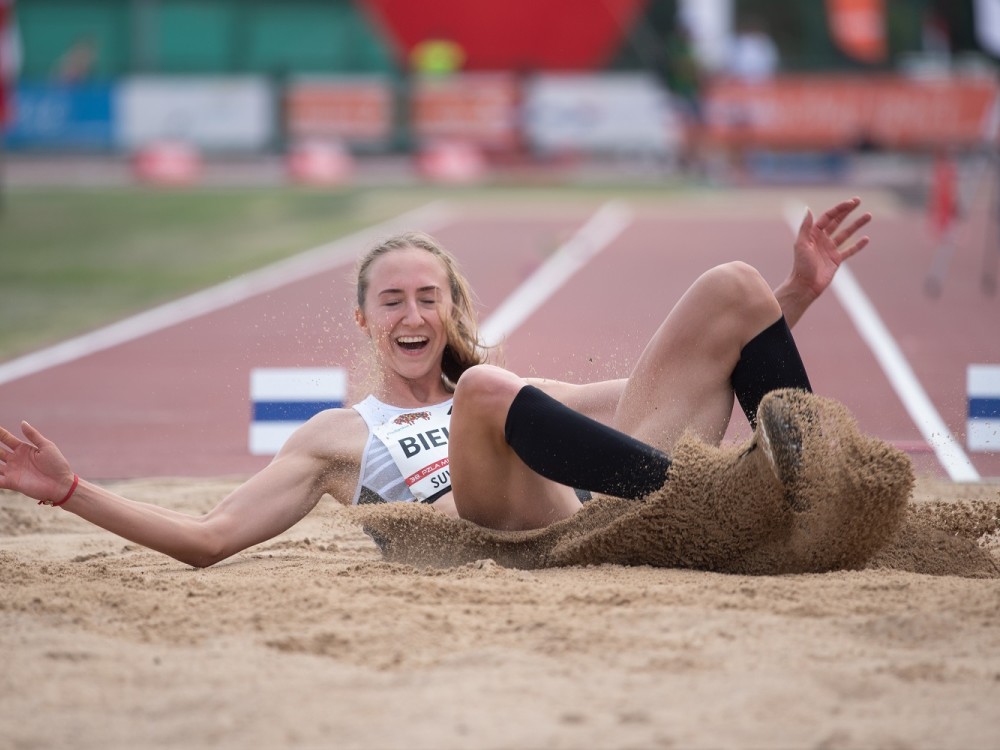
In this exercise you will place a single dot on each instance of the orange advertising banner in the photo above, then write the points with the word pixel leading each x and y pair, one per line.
pixel 858 28
pixel 842 111
pixel 478 108
pixel 352 110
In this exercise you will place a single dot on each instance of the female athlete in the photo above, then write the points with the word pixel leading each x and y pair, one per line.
pixel 442 426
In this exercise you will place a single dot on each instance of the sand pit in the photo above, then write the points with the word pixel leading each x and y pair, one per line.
pixel 313 640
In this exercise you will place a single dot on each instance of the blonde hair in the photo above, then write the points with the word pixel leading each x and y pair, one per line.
pixel 464 349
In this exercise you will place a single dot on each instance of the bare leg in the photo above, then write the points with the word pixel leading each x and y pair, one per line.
pixel 681 381
pixel 492 486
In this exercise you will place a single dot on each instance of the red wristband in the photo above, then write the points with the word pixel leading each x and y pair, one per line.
pixel 72 489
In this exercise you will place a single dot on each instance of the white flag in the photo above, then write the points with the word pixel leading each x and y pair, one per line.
pixel 987 17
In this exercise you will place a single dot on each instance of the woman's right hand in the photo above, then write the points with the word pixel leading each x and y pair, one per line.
pixel 37 468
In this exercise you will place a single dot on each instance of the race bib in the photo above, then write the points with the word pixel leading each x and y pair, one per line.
pixel 418 443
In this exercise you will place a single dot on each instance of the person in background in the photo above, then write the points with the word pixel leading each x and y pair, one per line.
pixel 685 77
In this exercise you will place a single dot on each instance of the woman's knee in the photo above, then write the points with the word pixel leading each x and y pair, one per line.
pixel 739 287
pixel 486 389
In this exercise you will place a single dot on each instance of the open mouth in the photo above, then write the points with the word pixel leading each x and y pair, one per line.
pixel 412 343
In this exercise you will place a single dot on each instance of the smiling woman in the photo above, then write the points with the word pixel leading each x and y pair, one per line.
pixel 441 426
pixel 445 287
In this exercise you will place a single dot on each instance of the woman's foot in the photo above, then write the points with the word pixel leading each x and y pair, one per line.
pixel 785 419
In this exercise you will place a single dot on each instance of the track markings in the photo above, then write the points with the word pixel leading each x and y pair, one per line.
pixel 607 223
pixel 296 268
pixel 895 366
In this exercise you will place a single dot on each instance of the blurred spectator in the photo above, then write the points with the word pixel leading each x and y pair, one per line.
pixel 752 60
pixel 753 56
pixel 934 35
pixel 685 77
pixel 437 56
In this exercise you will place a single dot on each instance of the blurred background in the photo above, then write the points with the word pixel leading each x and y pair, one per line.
pixel 328 91
pixel 152 149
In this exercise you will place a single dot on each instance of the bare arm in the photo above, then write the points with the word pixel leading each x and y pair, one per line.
pixel 266 505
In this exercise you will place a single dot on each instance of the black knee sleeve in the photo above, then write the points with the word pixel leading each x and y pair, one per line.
pixel 768 362
pixel 572 449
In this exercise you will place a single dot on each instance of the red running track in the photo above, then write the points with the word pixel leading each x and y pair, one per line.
pixel 176 402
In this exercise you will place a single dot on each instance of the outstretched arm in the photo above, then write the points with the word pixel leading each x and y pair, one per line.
pixel 820 247
pixel 269 503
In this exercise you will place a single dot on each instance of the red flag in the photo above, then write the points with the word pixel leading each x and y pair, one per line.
pixel 858 28
pixel 943 206
pixel 8 57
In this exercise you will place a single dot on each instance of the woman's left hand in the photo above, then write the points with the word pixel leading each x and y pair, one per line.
pixel 820 247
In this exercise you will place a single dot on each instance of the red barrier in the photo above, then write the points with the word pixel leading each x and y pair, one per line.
pixel 453 162
pixel 319 163
pixel 167 163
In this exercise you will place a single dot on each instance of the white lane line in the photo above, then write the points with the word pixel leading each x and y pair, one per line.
pixel 598 232
pixel 895 366
pixel 300 266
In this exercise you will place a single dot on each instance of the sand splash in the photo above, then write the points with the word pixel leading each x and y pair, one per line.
pixel 723 509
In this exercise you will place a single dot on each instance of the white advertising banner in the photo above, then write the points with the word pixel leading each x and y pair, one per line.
pixel 214 113
pixel 612 112
pixel 987 20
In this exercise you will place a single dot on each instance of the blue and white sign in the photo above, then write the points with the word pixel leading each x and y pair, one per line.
pixel 285 398
pixel 983 434
pixel 213 113
pixel 53 116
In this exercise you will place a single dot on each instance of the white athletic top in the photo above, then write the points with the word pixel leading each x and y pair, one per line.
pixel 406 456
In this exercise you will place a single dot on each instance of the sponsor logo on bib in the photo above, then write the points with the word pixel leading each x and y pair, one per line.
pixel 418 443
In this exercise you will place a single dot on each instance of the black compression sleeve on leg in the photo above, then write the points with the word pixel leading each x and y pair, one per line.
pixel 768 362
pixel 572 449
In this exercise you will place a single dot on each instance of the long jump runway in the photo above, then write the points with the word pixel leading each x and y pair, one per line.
pixel 573 292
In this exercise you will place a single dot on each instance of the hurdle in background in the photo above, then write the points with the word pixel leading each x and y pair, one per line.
pixel 983 429
pixel 284 398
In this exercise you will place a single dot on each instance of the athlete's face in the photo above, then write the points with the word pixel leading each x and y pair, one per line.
pixel 408 298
